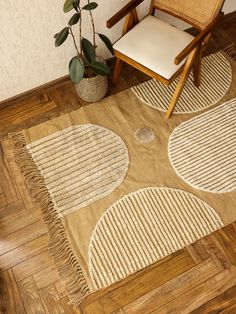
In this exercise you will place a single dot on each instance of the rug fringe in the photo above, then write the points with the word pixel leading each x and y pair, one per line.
pixel 65 260
pixel 230 51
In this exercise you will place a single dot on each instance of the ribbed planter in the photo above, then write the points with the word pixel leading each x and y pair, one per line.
pixel 93 89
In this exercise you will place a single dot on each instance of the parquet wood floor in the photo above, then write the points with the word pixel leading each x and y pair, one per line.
pixel 199 279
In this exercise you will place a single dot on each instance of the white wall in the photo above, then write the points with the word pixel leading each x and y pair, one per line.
pixel 28 57
pixel 229 6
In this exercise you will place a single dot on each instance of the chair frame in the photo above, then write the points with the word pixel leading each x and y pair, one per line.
pixel 193 51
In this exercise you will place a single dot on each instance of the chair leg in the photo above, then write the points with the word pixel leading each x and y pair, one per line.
pixel 117 70
pixel 182 81
pixel 197 69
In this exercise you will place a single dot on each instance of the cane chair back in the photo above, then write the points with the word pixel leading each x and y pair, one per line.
pixel 198 13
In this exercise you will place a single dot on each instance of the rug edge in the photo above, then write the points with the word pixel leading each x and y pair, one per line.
pixel 65 261
pixel 230 52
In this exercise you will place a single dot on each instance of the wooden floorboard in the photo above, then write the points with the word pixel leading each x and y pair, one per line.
pixel 223 303
pixel 67 307
pixel 46 277
pixel 32 265
pixel 179 285
pixel 10 293
pixel 22 236
pixel 19 220
pixel 199 279
pixel 30 296
pixel 210 246
pixel 51 301
pixel 139 284
pixel 200 294
pixel 3 201
pixel 24 252
pixel 8 185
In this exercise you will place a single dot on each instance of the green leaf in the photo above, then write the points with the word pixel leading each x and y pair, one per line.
pixel 68 6
pixel 88 50
pixel 76 5
pixel 76 69
pixel 107 42
pixel 74 19
pixel 90 6
pixel 100 68
pixel 61 37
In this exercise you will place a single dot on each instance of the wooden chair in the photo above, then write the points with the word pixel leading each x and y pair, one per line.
pixel 161 50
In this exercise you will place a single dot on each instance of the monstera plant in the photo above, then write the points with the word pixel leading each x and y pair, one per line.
pixel 85 64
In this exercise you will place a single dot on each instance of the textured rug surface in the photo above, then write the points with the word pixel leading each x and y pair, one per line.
pixel 124 207
pixel 216 78
pixel 143 227
pixel 202 150
pixel 80 164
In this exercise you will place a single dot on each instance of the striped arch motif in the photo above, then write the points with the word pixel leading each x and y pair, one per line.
pixel 144 227
pixel 80 165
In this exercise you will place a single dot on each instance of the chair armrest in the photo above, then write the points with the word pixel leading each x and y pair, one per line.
pixel 123 12
pixel 197 40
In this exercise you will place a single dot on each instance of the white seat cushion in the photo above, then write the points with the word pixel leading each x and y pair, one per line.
pixel 154 44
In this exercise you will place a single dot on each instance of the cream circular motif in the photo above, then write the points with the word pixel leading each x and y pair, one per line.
pixel 202 150
pixel 144 227
pixel 80 164
pixel 216 78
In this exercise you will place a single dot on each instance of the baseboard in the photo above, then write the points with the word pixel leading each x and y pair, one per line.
pixel 35 90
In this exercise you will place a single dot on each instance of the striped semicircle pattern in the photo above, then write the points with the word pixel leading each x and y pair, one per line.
pixel 216 78
pixel 202 150
pixel 144 227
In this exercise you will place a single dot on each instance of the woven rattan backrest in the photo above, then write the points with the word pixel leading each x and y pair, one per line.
pixel 199 13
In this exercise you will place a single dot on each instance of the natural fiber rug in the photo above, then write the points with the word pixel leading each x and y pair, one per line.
pixel 203 150
pixel 111 200
pixel 216 78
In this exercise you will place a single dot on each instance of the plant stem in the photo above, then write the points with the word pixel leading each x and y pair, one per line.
pixel 93 26
pixel 72 34
pixel 80 29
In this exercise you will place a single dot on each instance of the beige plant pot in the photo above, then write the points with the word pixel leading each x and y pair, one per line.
pixel 95 88
pixel 92 89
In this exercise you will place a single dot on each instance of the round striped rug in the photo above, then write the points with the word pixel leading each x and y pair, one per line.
pixel 80 165
pixel 144 227
pixel 216 78
pixel 202 150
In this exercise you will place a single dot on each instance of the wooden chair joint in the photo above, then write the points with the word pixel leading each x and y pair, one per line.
pixel 131 6
pixel 198 40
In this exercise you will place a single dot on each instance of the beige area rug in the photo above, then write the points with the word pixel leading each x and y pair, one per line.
pixel 215 82
pixel 143 212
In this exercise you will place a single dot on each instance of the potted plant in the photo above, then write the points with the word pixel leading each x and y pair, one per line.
pixel 87 70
